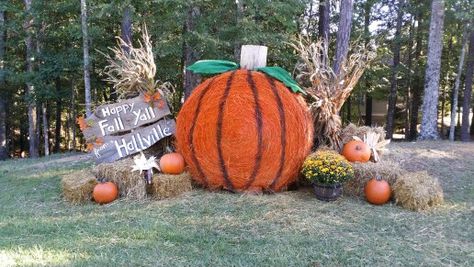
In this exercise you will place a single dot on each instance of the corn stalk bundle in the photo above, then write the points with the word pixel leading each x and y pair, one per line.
pixel 328 90
pixel 132 69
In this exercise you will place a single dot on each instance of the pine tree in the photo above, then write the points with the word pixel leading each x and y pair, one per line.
pixel 429 123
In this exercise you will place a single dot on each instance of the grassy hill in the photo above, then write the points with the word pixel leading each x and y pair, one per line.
pixel 37 227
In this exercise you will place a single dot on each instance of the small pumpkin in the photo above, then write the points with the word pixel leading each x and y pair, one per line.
pixel 377 191
pixel 105 192
pixel 172 163
pixel 356 151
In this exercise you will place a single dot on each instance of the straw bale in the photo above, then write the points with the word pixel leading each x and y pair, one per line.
pixel 167 185
pixel 390 171
pixel 418 191
pixel 77 186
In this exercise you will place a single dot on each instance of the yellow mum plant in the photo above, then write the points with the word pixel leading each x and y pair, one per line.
pixel 327 167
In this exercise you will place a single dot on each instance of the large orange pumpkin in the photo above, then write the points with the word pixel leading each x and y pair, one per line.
pixel 172 163
pixel 244 131
pixel 356 151
pixel 105 192
pixel 377 191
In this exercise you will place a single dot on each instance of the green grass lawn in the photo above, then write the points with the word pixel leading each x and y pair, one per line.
pixel 37 227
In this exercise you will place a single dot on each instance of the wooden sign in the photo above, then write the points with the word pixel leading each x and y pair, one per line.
pixel 116 147
pixel 121 129
pixel 124 116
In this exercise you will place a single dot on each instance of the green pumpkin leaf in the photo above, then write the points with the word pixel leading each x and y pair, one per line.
pixel 212 66
pixel 283 76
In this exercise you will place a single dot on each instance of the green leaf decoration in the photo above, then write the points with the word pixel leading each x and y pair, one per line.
pixel 212 66
pixel 283 76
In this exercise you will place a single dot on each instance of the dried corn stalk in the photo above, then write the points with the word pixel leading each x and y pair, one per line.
pixel 327 89
pixel 132 69
pixel 372 140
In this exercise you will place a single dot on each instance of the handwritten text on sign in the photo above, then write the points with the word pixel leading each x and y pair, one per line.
pixel 124 116
pixel 116 147
pixel 121 129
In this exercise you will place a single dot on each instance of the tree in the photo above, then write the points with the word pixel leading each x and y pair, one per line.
pixel 456 86
pixel 323 25
pixel 392 98
pixel 3 101
pixel 429 123
pixel 190 55
pixel 343 34
pixel 85 46
pixel 239 4
pixel 466 104
pixel 417 86
pixel 368 97
pixel 32 116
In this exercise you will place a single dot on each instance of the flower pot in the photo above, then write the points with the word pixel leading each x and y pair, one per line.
pixel 327 192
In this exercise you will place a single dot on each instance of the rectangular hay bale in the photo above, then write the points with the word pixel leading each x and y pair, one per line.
pixel 390 171
pixel 130 184
pixel 77 186
pixel 167 185
pixel 418 191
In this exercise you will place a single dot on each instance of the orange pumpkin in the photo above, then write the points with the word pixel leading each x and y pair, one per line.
pixel 356 151
pixel 105 192
pixel 377 191
pixel 172 163
pixel 244 131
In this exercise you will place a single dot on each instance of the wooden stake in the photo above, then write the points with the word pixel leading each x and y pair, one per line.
pixel 253 56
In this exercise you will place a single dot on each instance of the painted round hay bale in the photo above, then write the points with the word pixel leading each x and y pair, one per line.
pixel 244 131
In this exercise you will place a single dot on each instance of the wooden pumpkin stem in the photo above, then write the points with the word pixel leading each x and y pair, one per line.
pixel 253 57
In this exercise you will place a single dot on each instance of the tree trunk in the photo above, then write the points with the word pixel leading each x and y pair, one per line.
pixel 392 97
pixel 446 87
pixel 343 34
pixel 323 26
pixel 126 35
pixel 45 129
pixel 238 20
pixel 455 94
pixel 85 46
pixel 3 102
pixel 466 103
pixel 73 109
pixel 429 121
pixel 410 81
pixel 190 55
pixel 417 82
pixel 472 123
pixel 368 96
pixel 32 122
pixel 57 130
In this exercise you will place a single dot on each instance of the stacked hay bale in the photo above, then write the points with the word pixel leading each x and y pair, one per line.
pixel 418 191
pixel 412 190
pixel 352 130
pixel 133 186
pixel 77 186
pixel 130 184
pixel 167 185
pixel 387 170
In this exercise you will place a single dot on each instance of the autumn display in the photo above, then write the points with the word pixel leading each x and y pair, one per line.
pixel 244 131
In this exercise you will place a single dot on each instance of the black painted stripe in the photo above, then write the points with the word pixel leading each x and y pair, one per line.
pixel 191 132
pixel 259 122
pixel 281 111
pixel 220 117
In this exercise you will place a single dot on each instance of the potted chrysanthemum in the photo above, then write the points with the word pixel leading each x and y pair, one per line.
pixel 327 170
